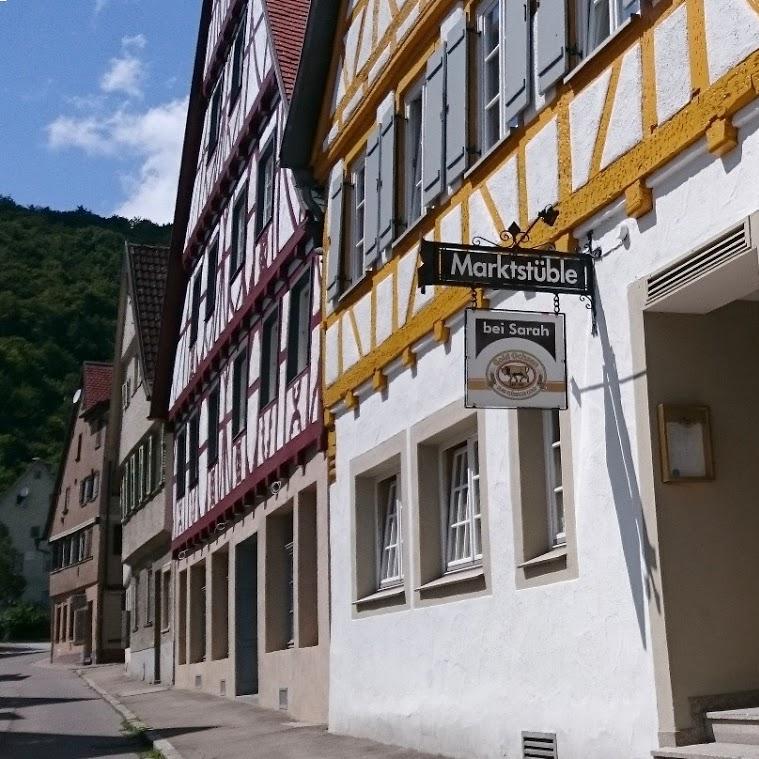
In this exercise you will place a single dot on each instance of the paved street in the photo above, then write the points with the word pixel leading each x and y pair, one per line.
pixel 50 713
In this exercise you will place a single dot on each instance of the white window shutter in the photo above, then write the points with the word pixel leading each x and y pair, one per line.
pixel 516 48
pixel 387 181
pixel 455 101
pixel 630 8
pixel 432 130
pixel 371 198
pixel 552 42
pixel 335 228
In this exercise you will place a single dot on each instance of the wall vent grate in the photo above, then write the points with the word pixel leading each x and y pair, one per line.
pixel 283 699
pixel 722 249
pixel 198 681
pixel 539 746
pixel 222 687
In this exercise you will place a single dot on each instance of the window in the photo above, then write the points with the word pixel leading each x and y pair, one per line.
pixel 66 499
pixel 149 594
pixel 299 327
pixel 157 449
pixel 136 371
pixel 354 260
pixel 464 533
pixel 598 19
pixel 239 233
pixel 269 363
pixel 557 535
pixel 388 531
pixel 213 426
pixel 290 564
pixel 195 309
pixel 98 433
pixel 83 491
pixel 136 601
pixel 212 263
pixel 194 446
pixel 238 57
pixel 140 474
pixel 165 599
pixel 265 187
pixel 214 124
pixel 181 465
pixel 412 146
pixel 489 28
pixel 126 393
pixel 95 485
pixel 239 392
pixel 79 447
pixel 148 471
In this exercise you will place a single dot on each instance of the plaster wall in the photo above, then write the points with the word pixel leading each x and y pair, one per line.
pixel 585 658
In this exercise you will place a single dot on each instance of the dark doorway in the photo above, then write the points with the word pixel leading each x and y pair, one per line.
pixel 157 624
pixel 246 617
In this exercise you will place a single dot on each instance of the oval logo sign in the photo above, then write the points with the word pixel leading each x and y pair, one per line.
pixel 516 375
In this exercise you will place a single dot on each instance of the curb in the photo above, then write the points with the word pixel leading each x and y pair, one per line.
pixel 153 736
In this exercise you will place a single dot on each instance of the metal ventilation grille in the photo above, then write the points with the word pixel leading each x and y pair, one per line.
pixel 539 746
pixel 717 252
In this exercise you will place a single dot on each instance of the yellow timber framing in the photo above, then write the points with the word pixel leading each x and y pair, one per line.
pixel 711 107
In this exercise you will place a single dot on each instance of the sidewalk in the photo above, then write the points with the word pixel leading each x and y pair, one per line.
pixel 200 726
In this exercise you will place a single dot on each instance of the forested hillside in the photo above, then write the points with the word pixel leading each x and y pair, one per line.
pixel 59 282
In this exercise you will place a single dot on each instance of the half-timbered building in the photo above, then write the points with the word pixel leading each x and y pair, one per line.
pixel 240 378
pixel 84 533
pixel 576 583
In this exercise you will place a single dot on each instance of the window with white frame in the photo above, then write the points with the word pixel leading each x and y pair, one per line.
pixel 557 535
pixel 389 546
pixel 213 426
pixel 299 327
pixel 489 24
pixel 238 57
pixel 354 260
pixel 269 357
pixel 239 232
pixel 461 475
pixel 212 263
pixel 412 146
pixel 598 19
pixel 239 392
pixel 181 461
pixel 194 441
pixel 214 123
pixel 195 308
pixel 265 187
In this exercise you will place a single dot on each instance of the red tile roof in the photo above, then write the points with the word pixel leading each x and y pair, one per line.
pixel 96 384
pixel 148 267
pixel 287 19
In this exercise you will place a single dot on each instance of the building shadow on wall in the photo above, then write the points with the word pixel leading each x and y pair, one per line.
pixel 640 554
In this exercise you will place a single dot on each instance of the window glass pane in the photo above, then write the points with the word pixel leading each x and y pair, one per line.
pixel 554 485
pixel 414 158
pixel 490 106
pixel 212 263
pixel 239 393
pixel 299 327
pixel 390 540
pixel 269 363
pixel 599 22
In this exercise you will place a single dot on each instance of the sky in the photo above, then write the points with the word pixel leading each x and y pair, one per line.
pixel 93 101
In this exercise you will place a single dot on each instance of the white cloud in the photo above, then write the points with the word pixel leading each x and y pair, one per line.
pixel 154 137
pixel 126 73
pixel 100 6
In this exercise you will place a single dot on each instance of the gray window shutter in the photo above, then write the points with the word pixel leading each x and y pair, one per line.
pixel 630 8
pixel 432 130
pixel 552 42
pixel 387 181
pixel 455 101
pixel 516 48
pixel 335 235
pixel 371 198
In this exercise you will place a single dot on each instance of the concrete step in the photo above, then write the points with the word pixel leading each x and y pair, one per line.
pixel 709 751
pixel 735 725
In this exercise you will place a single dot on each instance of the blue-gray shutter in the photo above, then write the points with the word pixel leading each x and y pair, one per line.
pixel 552 42
pixel 432 130
pixel 371 198
pixel 455 101
pixel 334 253
pixel 630 7
pixel 516 48
pixel 387 181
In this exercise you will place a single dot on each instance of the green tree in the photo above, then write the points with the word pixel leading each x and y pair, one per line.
pixel 12 583
pixel 59 282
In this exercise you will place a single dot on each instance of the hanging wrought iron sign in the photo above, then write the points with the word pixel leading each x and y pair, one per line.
pixel 515 359
pixel 505 268
pixel 513 265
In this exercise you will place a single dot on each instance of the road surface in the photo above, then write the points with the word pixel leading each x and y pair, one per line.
pixel 49 713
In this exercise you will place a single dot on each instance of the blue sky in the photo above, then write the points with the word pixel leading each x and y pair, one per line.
pixel 93 98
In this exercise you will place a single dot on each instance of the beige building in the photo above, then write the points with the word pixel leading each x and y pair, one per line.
pixel 84 534
pixel 140 465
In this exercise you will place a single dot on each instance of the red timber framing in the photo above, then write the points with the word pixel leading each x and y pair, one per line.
pixel 218 310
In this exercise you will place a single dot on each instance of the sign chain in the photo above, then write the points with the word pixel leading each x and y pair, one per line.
pixel 556 303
